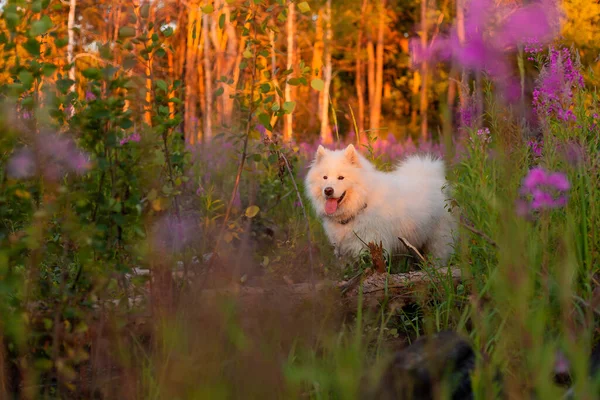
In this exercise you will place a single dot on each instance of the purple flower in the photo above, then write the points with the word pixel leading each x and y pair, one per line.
pixel 484 135
pixel 490 31
pixel 545 190
pixel 553 95
pixel 172 234
pixel 54 156
pixel 468 114
pixel 532 46
pixel 535 147
pixel 22 164
pixel 134 137
pixel 89 96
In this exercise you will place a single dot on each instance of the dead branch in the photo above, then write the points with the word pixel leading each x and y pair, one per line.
pixel 412 250
pixel 405 287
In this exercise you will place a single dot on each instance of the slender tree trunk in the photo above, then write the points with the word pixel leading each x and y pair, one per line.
pixel 424 67
pixel 171 75
pixel 230 63
pixel 274 82
pixel 219 42
pixel 378 90
pixel 460 30
pixel 208 81
pixel 291 32
pixel 360 87
pixel 317 68
pixel 371 69
pixel 191 77
pixel 325 132
pixel 148 105
pixel 71 49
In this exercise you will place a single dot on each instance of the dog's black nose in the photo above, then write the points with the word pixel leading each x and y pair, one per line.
pixel 328 191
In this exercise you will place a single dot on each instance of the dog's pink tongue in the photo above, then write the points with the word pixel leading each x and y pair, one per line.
pixel 331 206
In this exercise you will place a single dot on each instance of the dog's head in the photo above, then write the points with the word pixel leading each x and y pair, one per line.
pixel 335 181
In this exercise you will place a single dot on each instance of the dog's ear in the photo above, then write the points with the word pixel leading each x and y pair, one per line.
pixel 321 152
pixel 352 155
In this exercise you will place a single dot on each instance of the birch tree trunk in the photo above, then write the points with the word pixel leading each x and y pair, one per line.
pixel 288 119
pixel 71 48
pixel 325 133
pixel 424 67
pixel 207 81
pixel 378 89
pixel 230 63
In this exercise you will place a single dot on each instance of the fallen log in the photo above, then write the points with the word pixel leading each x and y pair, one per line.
pixel 376 287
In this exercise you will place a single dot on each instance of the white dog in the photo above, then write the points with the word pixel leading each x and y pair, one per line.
pixel 358 203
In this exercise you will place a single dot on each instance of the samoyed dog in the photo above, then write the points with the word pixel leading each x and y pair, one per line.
pixel 359 204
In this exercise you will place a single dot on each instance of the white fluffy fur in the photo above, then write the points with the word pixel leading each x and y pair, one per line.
pixel 408 202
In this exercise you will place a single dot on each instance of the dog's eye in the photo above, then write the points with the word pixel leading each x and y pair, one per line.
pixel 340 178
pixel 325 177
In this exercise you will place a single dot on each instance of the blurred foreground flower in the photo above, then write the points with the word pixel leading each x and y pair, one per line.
pixel 544 189
pixel 53 155
pixel 171 234
pixel 22 164
pixel 490 31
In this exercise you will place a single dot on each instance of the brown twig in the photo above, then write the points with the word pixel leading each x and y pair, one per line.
pixel 472 229
pixel 412 249
pixel 308 230
pixel 243 156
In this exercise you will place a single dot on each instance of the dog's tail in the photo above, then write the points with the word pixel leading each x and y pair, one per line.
pixel 423 165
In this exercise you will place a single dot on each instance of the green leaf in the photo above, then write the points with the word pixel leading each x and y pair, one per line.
pixel 303 7
pixel 222 21
pixel 265 88
pixel 289 106
pixel 264 119
pixel 317 84
pixel 61 42
pixel 48 69
pixel 129 62
pixel 219 91
pixel 64 85
pixel 26 79
pixel 296 81
pixel 167 31
pixel 126 123
pixel 207 9
pixel 126 32
pixel 252 211
pixel 145 10
pixel 11 16
pixel 36 6
pixel 33 47
pixel 40 26
pixel 92 73
pixel 247 53
pixel 162 85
